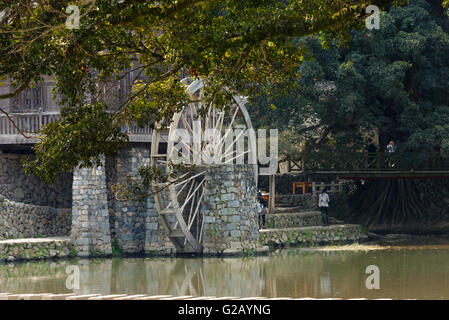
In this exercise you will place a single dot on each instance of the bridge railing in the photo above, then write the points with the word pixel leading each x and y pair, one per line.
pixel 32 123
pixel 333 187
pixel 363 161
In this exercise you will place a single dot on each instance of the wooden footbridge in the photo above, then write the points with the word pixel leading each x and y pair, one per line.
pixel 379 165
pixel 365 166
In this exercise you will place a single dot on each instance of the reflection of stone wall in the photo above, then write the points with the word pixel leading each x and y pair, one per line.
pixel 95 276
pixel 17 186
pixel 230 215
pixel 20 220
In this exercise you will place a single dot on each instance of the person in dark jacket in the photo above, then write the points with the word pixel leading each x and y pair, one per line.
pixel 262 209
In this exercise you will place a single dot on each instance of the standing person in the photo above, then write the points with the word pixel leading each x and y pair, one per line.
pixel 391 147
pixel 323 203
pixel 261 209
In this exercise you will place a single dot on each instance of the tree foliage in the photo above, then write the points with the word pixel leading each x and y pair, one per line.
pixel 248 46
pixel 395 80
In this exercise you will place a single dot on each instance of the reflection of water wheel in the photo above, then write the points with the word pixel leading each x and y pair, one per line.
pixel 199 136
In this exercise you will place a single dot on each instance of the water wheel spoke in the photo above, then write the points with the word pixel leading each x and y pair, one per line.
pixel 190 178
pixel 196 189
pixel 192 203
pixel 229 130
pixel 186 123
pixel 196 209
pixel 237 156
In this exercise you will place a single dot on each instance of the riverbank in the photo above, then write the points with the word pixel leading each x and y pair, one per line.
pixel 301 228
pixel 293 230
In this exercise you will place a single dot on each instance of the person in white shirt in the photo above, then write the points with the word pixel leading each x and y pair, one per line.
pixel 391 147
pixel 323 203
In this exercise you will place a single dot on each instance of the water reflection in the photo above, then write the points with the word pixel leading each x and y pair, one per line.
pixel 404 273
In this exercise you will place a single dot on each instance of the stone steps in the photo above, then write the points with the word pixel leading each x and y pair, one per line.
pixel 312 235
pixel 291 209
pixel 305 218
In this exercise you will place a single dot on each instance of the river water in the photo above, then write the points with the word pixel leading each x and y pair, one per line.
pixel 417 269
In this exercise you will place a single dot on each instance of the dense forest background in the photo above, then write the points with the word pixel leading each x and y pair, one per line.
pixel 386 84
pixel 392 82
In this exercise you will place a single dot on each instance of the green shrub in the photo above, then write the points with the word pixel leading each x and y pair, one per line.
pixel 116 249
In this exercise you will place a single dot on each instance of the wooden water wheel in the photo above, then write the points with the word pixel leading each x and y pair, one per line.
pixel 198 136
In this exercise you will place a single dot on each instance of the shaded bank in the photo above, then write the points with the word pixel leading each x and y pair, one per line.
pixel 417 206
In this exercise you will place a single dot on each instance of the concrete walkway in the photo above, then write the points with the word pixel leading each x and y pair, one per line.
pixel 72 296
pixel 35 240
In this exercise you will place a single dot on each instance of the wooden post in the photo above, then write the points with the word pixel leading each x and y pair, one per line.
pixel 40 125
pixel 272 193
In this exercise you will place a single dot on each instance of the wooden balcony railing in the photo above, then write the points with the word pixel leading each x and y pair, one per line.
pixel 27 122
pixel 31 123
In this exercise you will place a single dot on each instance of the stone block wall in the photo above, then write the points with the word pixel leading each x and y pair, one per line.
pixel 312 236
pixel 230 215
pixel 34 249
pixel 19 220
pixel 15 185
pixel 90 234
pixel 127 218
pixel 102 219
pixel 157 241
pixel 98 219
pixel 307 201
pixel 289 220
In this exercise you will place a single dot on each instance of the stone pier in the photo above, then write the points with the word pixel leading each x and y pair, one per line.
pixel 157 241
pixel 90 234
pixel 230 214
pixel 127 217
